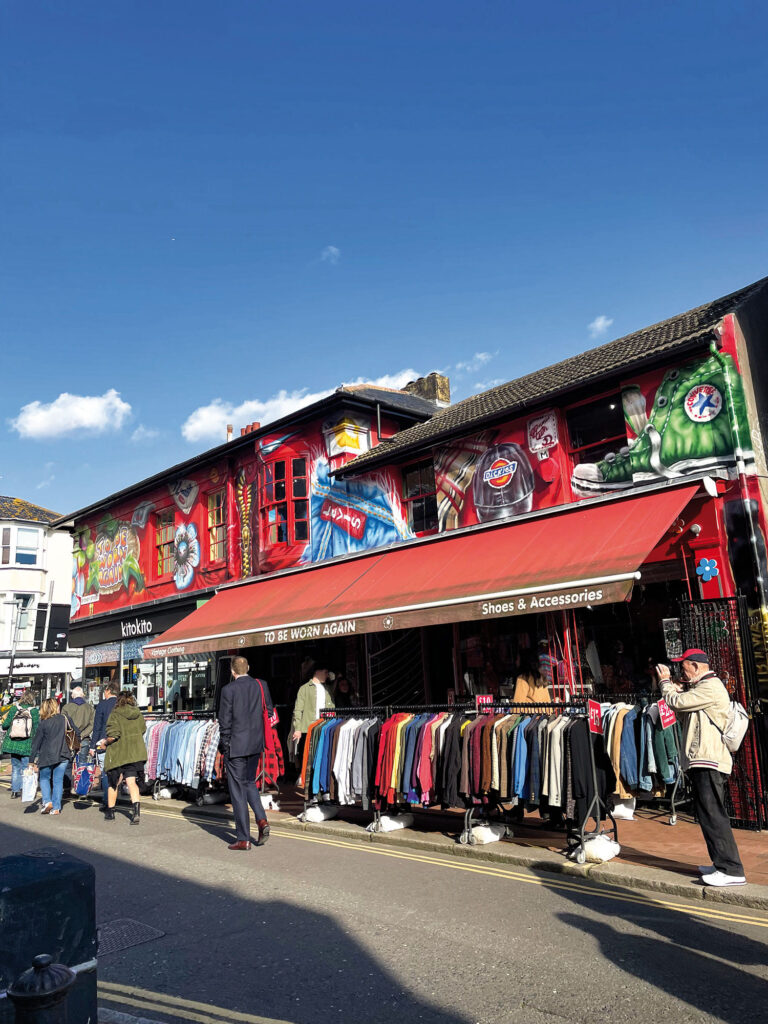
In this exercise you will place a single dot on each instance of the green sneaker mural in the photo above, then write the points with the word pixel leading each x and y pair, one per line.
pixel 687 431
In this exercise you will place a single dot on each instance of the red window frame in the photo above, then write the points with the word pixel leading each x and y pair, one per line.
pixel 422 492
pixel 284 499
pixel 217 531
pixel 576 451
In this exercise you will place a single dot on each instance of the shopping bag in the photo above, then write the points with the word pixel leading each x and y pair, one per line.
pixel 83 771
pixel 28 786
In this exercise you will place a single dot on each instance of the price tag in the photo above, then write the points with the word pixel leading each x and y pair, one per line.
pixel 484 703
pixel 595 716
pixel 666 714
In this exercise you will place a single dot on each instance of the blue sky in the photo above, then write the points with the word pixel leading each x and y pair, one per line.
pixel 207 205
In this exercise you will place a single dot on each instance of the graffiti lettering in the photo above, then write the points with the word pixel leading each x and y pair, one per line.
pixel 348 519
pixel 111 553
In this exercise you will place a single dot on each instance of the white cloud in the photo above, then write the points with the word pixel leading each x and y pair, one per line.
pixel 600 325
pixel 484 385
pixel 70 414
pixel 47 481
pixel 209 422
pixel 142 433
pixel 330 254
pixel 478 360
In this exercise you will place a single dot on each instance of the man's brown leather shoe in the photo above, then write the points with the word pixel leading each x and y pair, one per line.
pixel 241 844
pixel 263 831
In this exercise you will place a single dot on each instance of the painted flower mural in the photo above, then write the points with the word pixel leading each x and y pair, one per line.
pixel 186 555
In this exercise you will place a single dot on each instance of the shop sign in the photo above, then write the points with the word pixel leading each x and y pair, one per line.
pixel 551 600
pixel 666 714
pixel 520 604
pixel 595 716
pixel 136 627
pixel 103 654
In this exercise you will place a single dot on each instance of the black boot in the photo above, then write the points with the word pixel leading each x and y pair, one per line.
pixel 135 814
pixel 109 814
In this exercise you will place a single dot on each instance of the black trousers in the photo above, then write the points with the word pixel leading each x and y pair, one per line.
pixel 709 804
pixel 244 792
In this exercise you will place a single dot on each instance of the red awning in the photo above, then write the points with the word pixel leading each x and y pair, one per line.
pixel 581 556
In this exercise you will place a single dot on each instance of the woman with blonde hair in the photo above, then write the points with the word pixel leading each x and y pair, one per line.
pixel 51 754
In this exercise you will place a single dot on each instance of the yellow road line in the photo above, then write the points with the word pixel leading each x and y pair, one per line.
pixel 494 871
pixel 175 1006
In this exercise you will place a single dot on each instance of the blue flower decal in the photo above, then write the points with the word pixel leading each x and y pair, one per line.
pixel 707 569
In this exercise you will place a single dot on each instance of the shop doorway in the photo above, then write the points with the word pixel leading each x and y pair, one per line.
pixel 396 667
pixel 721 628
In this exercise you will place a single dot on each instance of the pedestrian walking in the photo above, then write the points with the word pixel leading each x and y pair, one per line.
pixel 126 753
pixel 311 699
pixel 81 714
pixel 104 709
pixel 703 706
pixel 51 754
pixel 21 723
pixel 245 705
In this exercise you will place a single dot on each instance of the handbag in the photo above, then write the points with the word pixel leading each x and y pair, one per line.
pixel 71 737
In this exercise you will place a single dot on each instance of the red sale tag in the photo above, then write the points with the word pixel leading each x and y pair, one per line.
pixel 484 703
pixel 666 714
pixel 595 716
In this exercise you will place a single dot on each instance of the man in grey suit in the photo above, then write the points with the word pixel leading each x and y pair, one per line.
pixel 241 721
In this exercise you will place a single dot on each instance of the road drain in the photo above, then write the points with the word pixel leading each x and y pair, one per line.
pixel 124 933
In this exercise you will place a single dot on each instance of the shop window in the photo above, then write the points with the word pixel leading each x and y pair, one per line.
pixel 217 527
pixel 285 501
pixel 165 528
pixel 419 498
pixel 596 428
pixel 6 545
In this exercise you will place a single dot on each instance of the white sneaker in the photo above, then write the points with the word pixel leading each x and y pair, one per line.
pixel 707 869
pixel 719 878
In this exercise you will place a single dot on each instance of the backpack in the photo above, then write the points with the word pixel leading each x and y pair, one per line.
pixel 21 726
pixel 736 726
pixel 70 736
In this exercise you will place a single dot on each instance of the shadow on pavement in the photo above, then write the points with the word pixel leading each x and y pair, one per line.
pixel 259 955
pixel 670 964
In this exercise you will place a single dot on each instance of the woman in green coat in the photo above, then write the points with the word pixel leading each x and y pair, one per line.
pixel 126 753
pixel 19 748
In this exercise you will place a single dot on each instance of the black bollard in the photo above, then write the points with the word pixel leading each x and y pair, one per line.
pixel 39 996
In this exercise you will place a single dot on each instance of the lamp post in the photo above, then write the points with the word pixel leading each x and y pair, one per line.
pixel 21 622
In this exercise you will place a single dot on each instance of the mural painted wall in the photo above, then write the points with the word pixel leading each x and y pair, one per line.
pixel 675 423
pixel 501 473
pixel 166 543
pixel 299 513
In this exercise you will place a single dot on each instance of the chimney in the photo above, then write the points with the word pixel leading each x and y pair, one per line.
pixel 435 388
pixel 229 431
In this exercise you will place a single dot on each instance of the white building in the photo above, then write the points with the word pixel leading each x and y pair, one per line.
pixel 35 596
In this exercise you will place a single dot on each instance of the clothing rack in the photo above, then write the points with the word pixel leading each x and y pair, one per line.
pixel 466 837
pixel 681 781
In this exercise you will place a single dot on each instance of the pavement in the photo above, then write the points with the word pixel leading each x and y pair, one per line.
pixel 655 856
pixel 323 925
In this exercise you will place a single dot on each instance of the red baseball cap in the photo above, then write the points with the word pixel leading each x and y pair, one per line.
pixel 693 654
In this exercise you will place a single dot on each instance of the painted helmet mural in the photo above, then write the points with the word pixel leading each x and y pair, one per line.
pixel 503 483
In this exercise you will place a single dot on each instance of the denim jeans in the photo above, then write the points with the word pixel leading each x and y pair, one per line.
pixel 52 784
pixel 104 786
pixel 18 763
